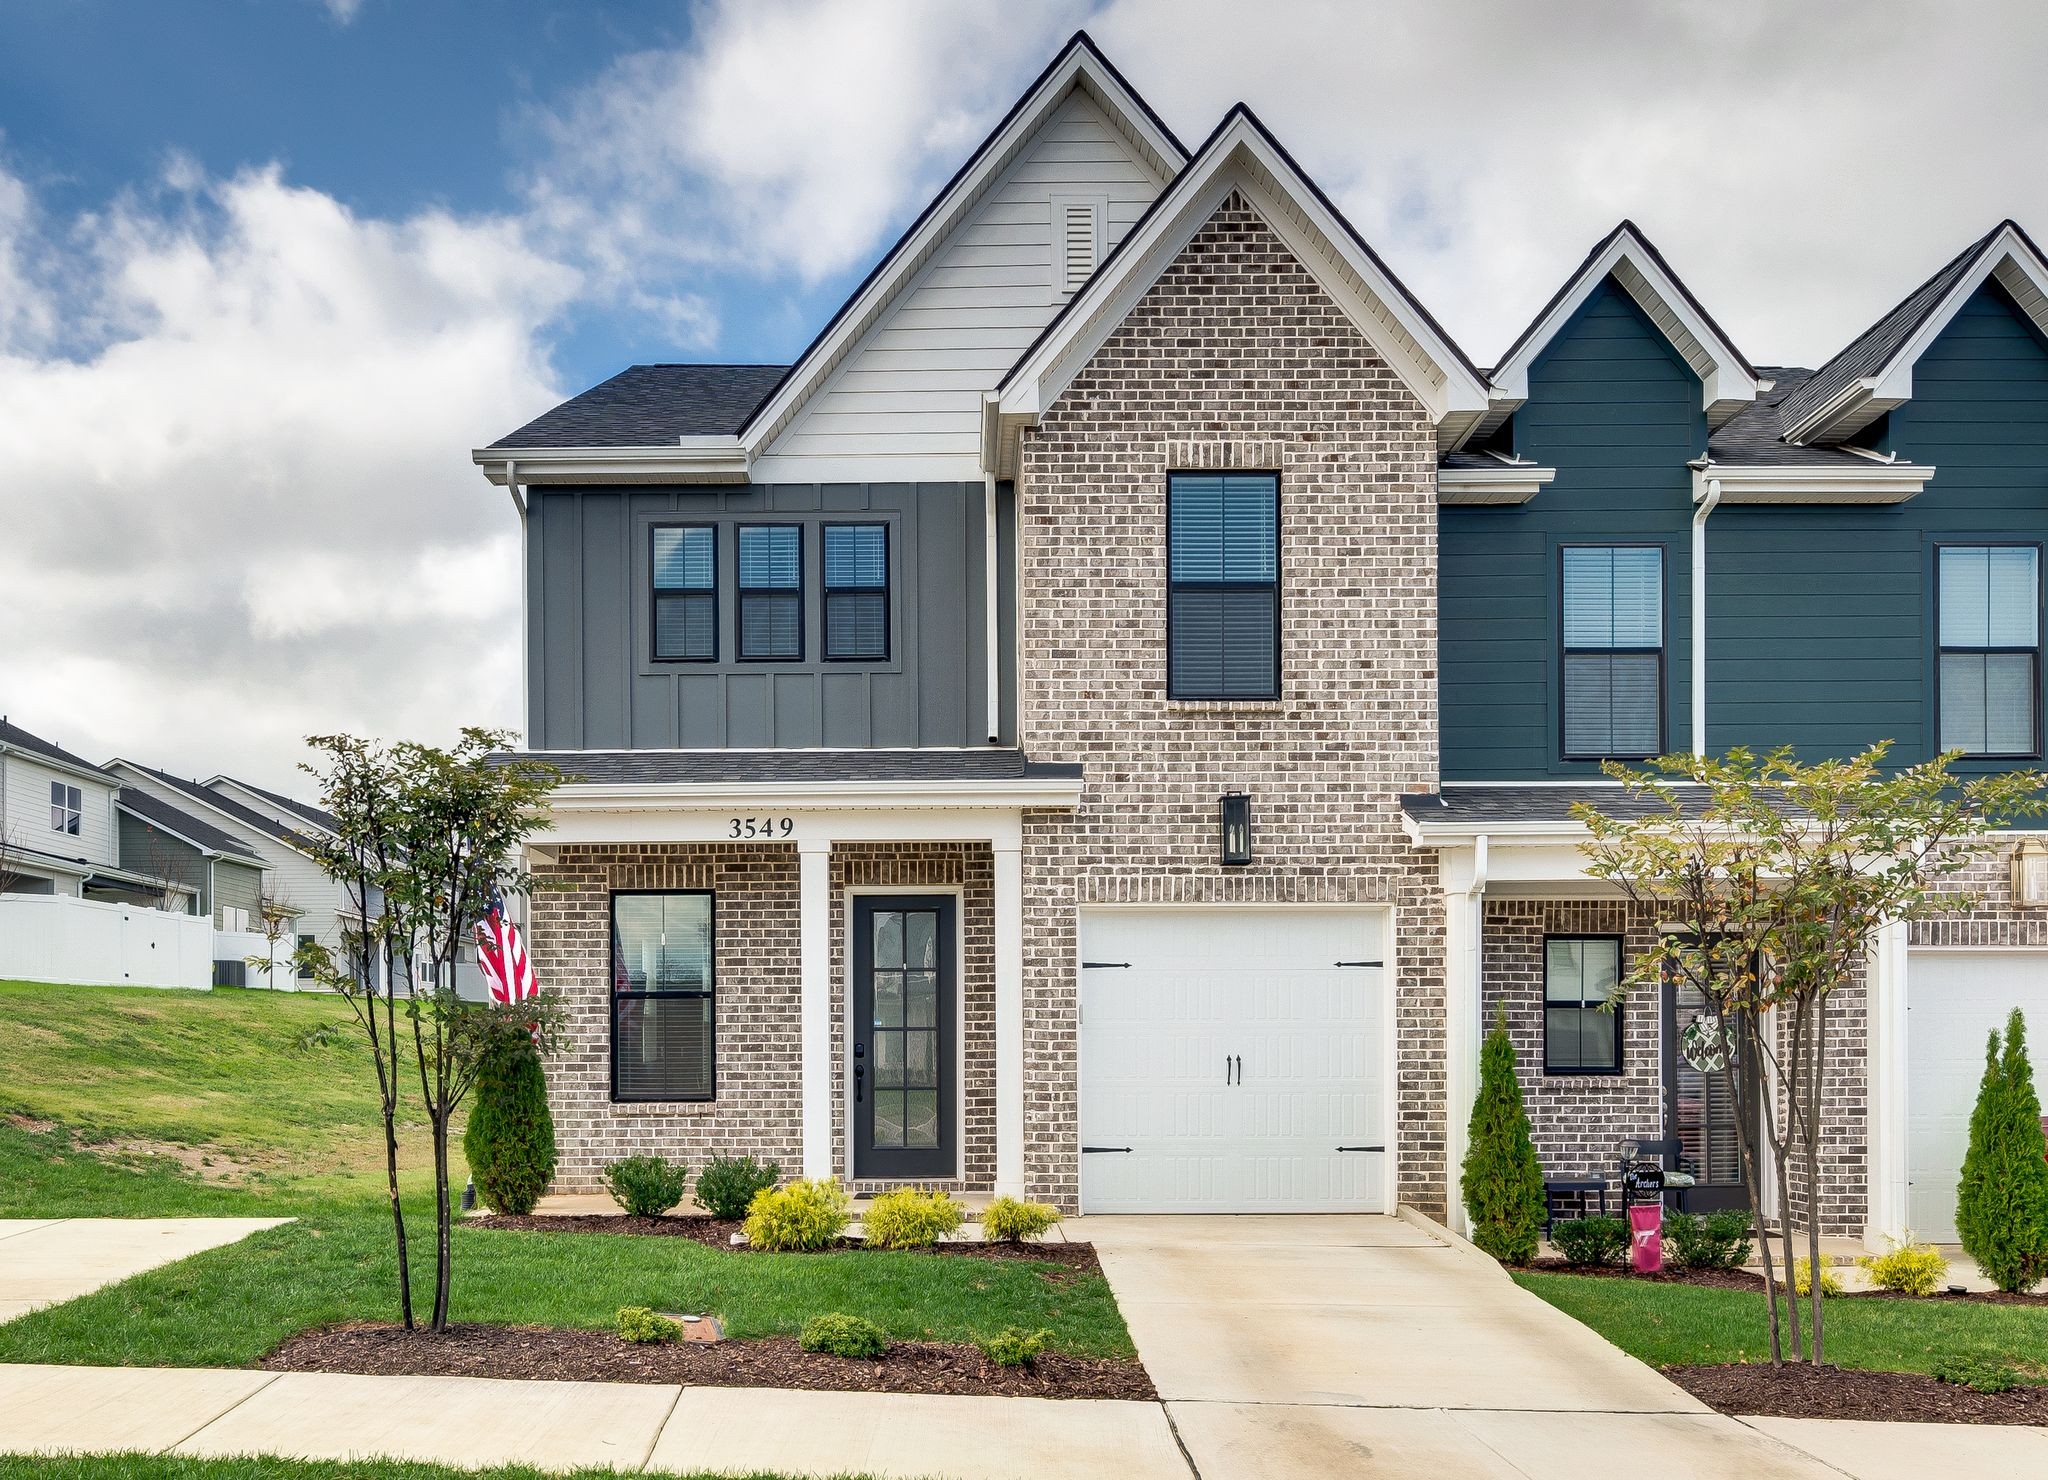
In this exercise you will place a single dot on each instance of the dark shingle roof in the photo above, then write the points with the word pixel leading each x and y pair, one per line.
pixel 1874 347
pixel 306 810
pixel 1754 436
pixel 247 817
pixel 1476 805
pixel 608 767
pixel 184 824
pixel 651 406
pixel 21 739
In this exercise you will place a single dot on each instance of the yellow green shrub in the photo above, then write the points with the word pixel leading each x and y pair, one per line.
pixel 1008 1220
pixel 1907 1267
pixel 911 1218
pixel 800 1215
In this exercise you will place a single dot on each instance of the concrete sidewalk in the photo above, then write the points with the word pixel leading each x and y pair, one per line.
pixel 44 1261
pixel 561 1425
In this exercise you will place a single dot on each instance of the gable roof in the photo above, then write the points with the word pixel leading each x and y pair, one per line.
pixel 247 818
pixel 1874 372
pixel 182 824
pixel 318 816
pixel 1728 380
pixel 14 737
pixel 1242 154
pixel 650 405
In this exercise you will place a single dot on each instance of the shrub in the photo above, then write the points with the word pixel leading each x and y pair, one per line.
pixel 1978 1373
pixel 1590 1240
pixel 1006 1220
pixel 646 1186
pixel 643 1327
pixel 843 1336
pixel 1502 1182
pixel 911 1218
pixel 726 1186
pixel 802 1215
pixel 1714 1241
pixel 2002 1198
pixel 510 1140
pixel 1907 1267
pixel 1802 1278
pixel 1015 1347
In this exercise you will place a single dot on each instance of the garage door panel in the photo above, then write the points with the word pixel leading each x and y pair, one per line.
pixel 1214 996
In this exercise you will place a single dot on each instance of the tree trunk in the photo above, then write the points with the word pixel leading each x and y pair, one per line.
pixel 442 1269
pixel 1749 1121
pixel 1812 1136
pixel 1781 1151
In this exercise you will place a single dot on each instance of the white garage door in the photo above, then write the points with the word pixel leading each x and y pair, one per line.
pixel 1953 1000
pixel 1230 1063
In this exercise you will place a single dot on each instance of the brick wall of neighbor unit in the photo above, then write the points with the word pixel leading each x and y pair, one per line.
pixel 912 868
pixel 1235 358
pixel 1578 1119
pixel 1992 918
pixel 759 1106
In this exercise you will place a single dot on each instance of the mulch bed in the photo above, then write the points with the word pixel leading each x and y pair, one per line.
pixel 1752 1283
pixel 1801 1391
pixel 600 1356
pixel 718 1233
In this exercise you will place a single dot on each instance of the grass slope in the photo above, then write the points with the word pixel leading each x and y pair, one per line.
pixel 177 1467
pixel 98 1128
pixel 1670 1325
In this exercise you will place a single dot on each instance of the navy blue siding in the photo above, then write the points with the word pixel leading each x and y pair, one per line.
pixel 1615 410
pixel 1821 621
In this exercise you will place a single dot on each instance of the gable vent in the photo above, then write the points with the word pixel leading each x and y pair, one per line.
pixel 1079 242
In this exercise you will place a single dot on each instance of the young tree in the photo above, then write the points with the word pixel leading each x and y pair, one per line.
pixel 1501 1178
pixel 277 921
pixel 1824 855
pixel 2002 1199
pixel 510 1139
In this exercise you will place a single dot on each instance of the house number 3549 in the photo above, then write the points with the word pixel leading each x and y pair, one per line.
pixel 762 827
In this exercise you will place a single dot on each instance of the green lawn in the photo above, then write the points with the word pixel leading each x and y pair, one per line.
pixel 92 1123
pixel 167 1467
pixel 1671 1325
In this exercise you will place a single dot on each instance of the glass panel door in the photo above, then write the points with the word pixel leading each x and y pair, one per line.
pixel 903 1037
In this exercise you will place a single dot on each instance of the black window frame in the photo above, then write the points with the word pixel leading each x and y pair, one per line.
pixel 1565 651
pixel 1551 1068
pixel 69 801
pixel 827 591
pixel 656 592
pixel 1174 587
pixel 1942 649
pixel 305 971
pixel 741 591
pixel 614 994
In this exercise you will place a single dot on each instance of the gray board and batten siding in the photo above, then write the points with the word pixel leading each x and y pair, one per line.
pixel 593 680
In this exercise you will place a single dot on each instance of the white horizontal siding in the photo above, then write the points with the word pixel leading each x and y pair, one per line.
pixel 913 386
pixel 27 822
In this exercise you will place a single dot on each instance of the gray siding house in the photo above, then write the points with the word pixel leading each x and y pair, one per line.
pixel 1101 724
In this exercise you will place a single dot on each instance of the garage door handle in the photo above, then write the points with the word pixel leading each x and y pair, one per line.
pixel 1097 1150
pixel 1105 966
pixel 1358 963
pixel 1361 1148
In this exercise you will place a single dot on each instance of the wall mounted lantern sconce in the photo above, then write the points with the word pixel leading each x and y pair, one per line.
pixel 1236 818
pixel 2030 874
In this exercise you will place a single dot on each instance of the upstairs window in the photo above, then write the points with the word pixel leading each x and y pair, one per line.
pixel 685 593
pixel 1581 1035
pixel 856 591
pixel 1613 652
pixel 67 806
pixel 1990 660
pixel 771 593
pixel 1223 586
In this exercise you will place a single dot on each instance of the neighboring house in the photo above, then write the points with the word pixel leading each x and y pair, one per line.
pixel 224 872
pixel 295 814
pixel 1102 723
pixel 60 831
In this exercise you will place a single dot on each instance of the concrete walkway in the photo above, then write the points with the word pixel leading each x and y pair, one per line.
pixel 1358 1345
pixel 44 1261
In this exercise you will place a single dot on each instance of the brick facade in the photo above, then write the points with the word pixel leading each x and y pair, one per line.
pixel 1236 357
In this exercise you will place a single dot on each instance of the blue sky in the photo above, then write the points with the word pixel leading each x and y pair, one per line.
pixel 270 268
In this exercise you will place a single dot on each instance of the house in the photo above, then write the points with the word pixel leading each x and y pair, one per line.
pixel 62 832
pixel 224 872
pixel 1102 723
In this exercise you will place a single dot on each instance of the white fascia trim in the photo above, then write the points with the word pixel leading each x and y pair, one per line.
pixel 1459 834
pixel 1060 793
pixel 704 458
pixel 1726 385
pixel 1502 485
pixel 30 861
pixel 1240 157
pixel 1877 483
pixel 86 772
pixel 854 320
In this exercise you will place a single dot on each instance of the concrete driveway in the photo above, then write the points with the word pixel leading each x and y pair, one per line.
pixel 1361 1345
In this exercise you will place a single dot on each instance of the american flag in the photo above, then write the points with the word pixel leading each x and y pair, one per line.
pixel 501 956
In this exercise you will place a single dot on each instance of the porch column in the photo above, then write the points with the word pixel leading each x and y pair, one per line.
pixel 1464 913
pixel 1885 1076
pixel 814 954
pixel 1009 984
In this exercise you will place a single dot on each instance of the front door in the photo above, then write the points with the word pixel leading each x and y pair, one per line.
pixel 905 1040
pixel 1699 1112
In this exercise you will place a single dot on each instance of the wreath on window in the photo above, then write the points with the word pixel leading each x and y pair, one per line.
pixel 1706 1044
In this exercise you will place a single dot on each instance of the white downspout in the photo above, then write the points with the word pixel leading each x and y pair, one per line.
pixel 1707 505
pixel 992 615
pixel 525 617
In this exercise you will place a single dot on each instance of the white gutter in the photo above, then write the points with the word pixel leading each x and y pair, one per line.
pixel 992 613
pixel 1035 792
pixel 1707 506
pixel 525 611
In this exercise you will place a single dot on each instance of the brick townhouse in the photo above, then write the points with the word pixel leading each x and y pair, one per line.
pixel 1102 723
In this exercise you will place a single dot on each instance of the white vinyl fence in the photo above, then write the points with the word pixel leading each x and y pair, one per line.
pixel 53 938
pixel 244 945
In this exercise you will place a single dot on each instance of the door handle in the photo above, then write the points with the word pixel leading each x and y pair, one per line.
pixel 860 1074
pixel 1240 1068
pixel 1226 1068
